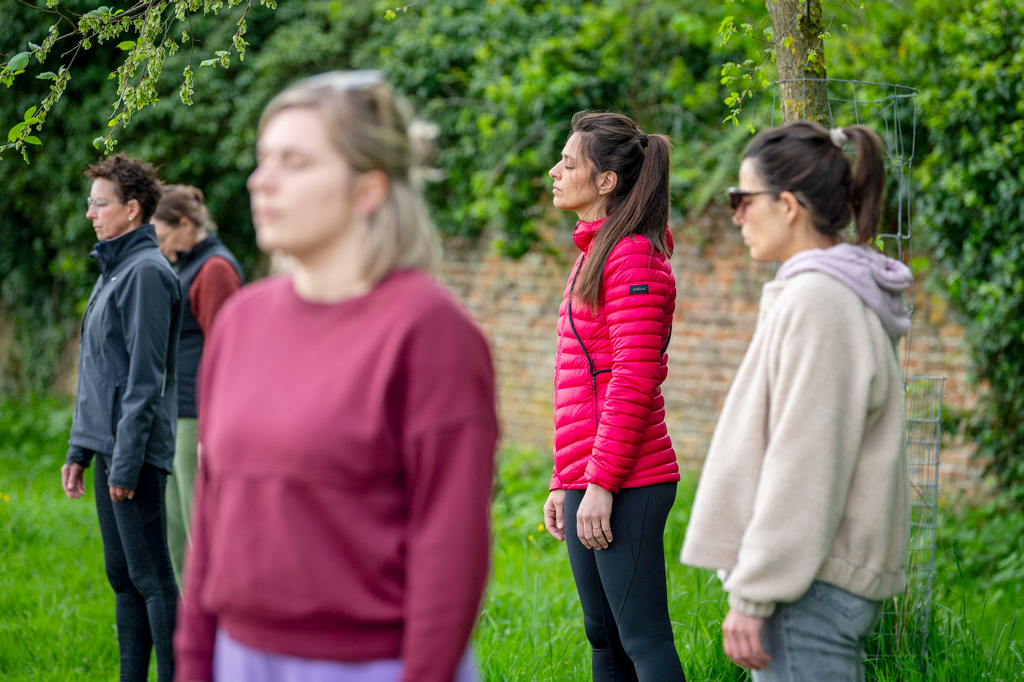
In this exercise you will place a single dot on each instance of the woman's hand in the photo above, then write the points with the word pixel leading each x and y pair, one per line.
pixel 118 494
pixel 741 637
pixel 72 479
pixel 594 517
pixel 554 514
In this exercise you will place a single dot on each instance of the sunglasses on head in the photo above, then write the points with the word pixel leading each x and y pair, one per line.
pixel 369 80
pixel 347 80
pixel 737 195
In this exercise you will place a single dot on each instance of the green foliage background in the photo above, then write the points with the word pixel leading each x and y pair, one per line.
pixel 967 61
pixel 502 78
pixel 972 201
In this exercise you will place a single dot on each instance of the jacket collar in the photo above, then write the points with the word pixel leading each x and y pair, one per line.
pixel 186 257
pixel 110 253
pixel 583 234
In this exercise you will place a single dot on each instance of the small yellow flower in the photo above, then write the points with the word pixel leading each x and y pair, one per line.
pixel 7 498
pixel 540 527
pixel 530 536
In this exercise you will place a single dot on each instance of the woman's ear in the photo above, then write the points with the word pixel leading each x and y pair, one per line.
pixel 371 191
pixel 134 209
pixel 793 206
pixel 606 182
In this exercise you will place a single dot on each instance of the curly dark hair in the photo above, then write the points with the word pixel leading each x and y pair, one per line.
pixel 132 178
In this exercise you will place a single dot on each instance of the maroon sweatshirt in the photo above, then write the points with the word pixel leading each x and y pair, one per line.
pixel 347 454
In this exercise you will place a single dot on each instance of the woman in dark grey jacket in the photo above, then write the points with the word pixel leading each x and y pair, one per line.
pixel 126 407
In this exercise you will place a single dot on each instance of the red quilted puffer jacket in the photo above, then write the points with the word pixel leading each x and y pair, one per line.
pixel 609 366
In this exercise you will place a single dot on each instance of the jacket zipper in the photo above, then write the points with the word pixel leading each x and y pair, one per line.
pixel 572 325
pixel 92 301
pixel 81 331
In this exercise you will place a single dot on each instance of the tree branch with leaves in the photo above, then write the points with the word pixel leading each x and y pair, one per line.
pixel 147 34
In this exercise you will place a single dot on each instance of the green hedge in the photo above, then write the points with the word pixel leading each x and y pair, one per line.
pixel 501 79
pixel 967 61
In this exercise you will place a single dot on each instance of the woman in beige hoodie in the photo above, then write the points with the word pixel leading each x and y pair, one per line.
pixel 802 505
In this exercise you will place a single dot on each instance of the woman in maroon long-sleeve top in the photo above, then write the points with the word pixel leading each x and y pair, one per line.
pixel 347 422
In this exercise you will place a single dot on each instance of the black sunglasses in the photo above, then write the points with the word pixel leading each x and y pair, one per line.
pixel 736 196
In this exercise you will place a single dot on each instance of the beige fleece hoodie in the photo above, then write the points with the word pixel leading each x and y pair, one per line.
pixel 806 478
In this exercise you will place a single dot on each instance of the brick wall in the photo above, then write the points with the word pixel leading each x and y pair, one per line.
pixel 516 303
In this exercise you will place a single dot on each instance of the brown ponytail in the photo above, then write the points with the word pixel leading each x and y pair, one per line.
pixel 639 203
pixel 868 182
pixel 808 160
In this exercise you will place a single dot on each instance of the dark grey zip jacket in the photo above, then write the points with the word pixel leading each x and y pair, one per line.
pixel 126 401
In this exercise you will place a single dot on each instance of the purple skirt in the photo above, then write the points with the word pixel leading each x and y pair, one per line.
pixel 234 662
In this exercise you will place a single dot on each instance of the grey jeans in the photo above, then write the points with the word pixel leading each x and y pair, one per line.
pixel 820 636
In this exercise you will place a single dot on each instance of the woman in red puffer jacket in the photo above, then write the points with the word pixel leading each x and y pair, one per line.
pixel 615 472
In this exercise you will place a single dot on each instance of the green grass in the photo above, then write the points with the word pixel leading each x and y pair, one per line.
pixel 532 628
pixel 56 607
pixel 57 611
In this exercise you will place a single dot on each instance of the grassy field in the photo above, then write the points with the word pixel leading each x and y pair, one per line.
pixel 57 613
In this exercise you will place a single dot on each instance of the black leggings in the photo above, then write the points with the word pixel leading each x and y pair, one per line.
pixel 623 588
pixel 139 569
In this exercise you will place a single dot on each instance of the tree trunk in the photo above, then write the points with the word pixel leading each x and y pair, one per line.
pixel 800 60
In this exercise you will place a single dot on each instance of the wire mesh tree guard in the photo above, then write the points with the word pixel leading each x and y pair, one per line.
pixel 891 111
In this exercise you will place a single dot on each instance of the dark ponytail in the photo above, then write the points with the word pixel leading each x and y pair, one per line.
pixel 639 203
pixel 868 182
pixel 808 160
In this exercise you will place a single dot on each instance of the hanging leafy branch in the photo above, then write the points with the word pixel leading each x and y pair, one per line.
pixel 392 12
pixel 144 31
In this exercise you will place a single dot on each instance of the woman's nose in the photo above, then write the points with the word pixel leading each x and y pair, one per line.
pixel 253 180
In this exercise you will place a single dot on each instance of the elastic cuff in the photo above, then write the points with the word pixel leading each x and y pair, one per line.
pixel 194 668
pixel 590 478
pixel 758 609
pixel 122 477
pixel 79 455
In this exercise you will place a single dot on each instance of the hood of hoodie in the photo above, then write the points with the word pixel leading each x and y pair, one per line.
pixel 879 280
